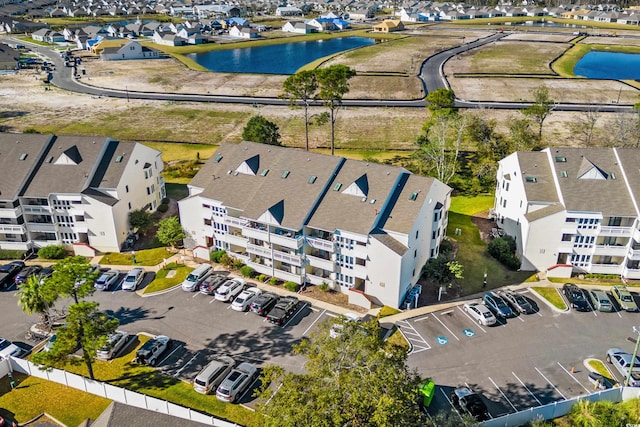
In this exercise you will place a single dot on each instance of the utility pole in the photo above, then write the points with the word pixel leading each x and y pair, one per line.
pixel 633 359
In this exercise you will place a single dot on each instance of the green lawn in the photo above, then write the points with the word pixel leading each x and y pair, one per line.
pixel 147 257
pixel 552 295
pixel 600 368
pixel 34 396
pixel 172 151
pixel 176 191
pixel 161 282
pixel 472 250
pixel 123 372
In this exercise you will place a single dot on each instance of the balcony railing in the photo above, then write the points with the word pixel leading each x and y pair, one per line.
pixel 259 250
pixel 11 212
pixel 288 258
pixel 287 276
pixel 616 231
pixel 606 268
pixel 612 250
pixel 36 209
pixel 235 222
pixel 237 240
pixel 317 280
pixel 12 229
pixel 325 264
pixel 318 243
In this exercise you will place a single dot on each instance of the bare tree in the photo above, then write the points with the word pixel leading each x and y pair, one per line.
pixel 585 127
pixel 625 130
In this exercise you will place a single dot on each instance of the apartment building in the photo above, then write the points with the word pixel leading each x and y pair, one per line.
pixel 76 191
pixel 572 210
pixel 365 229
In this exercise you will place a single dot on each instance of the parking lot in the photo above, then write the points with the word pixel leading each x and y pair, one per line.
pixel 526 361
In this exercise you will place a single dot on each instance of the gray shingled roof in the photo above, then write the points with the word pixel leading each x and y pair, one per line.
pixel 405 211
pixel 630 162
pixel 536 165
pixel 609 196
pixel 118 414
pixel 15 172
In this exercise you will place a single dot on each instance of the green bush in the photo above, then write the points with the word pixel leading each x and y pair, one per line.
pixel 247 271
pixel 262 278
pixel 446 248
pixel 217 255
pixel 324 286
pixel 8 254
pixel 226 260
pixel 273 281
pixel 165 201
pixel 163 208
pixel 52 252
pixel 237 264
pixel 503 249
pixel 291 286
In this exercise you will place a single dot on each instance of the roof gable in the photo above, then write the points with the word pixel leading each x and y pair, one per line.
pixel 588 170
pixel 70 156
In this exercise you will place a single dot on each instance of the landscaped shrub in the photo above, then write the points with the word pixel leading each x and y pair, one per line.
pixel 163 208
pixel 273 281
pixel 324 286
pixel 165 201
pixel 247 271
pixel 226 260
pixel 503 249
pixel 52 252
pixel 262 278
pixel 8 254
pixel 446 248
pixel 291 286
pixel 217 255
pixel 236 264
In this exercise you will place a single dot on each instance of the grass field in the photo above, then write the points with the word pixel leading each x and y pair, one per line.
pixel 516 58
pixel 161 282
pixel 600 368
pixel 146 257
pixel 174 152
pixel 552 295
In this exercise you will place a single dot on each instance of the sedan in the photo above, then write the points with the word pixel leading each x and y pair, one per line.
pixel 480 313
pixel 229 290
pixel 244 300
pixel 132 279
pixel 107 280
pixel 624 298
pixel 517 302
pixel 600 300
pixel 463 399
pixel 497 305
pixel 115 343
pixel 576 296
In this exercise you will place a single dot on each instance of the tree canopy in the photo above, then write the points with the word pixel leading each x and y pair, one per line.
pixel 334 84
pixel 259 129
pixel 302 86
pixel 541 107
pixel 356 379
pixel 441 101
pixel 140 219
pixel 170 231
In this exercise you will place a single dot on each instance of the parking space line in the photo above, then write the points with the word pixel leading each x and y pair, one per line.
pixel 503 395
pixel 185 365
pixel 417 344
pixel 470 318
pixel 526 388
pixel 294 316
pixel 550 383
pixel 421 318
pixel 195 295
pixel 170 354
pixel 451 404
pixel 445 326
pixel 212 300
pixel 313 323
pixel 574 377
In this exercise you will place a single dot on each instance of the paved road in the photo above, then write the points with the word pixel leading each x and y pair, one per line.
pixel 430 73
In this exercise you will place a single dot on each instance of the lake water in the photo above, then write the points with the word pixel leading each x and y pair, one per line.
pixel 609 65
pixel 284 58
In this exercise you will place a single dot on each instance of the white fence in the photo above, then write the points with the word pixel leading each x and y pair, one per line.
pixel 561 408
pixel 117 394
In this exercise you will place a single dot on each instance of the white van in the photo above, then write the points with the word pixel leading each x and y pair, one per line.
pixel 212 375
pixel 193 280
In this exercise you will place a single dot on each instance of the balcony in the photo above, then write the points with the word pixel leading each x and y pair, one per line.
pixel 606 268
pixel 317 280
pixel 236 239
pixel 288 258
pixel 43 227
pixel 259 250
pixel 325 264
pixel 255 233
pixel 260 268
pixel 12 229
pixel 235 222
pixel 318 243
pixel 12 213
pixel 288 276
pixel 634 253
pixel 612 250
pixel 616 231
pixel 36 209
pixel 288 240
pixel 242 257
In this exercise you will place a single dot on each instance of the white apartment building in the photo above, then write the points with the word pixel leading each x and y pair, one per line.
pixel 363 228
pixel 572 210
pixel 73 190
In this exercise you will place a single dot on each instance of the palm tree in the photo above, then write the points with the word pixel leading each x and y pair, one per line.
pixel 35 297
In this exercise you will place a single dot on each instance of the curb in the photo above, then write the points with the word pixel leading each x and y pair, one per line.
pixel 142 294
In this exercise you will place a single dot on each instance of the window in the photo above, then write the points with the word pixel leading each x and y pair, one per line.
pixel 264 172
pixel 126 188
pixel 312 179
pixel 507 187
pixel 504 203
pixel 612 175
pixel 413 196
pixel 415 253
pixel 531 179
pixel 119 159
pixel 207 221
pixel 285 174
pixel 417 231
pixel 23 156
pixel 563 174
pixel 218 158
pixel 129 205
pixel 337 186
pixel 567 237
pixel 561 159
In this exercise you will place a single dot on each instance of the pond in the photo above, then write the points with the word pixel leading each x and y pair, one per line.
pixel 609 65
pixel 284 58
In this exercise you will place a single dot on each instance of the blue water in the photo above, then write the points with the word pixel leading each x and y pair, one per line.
pixel 284 58
pixel 609 65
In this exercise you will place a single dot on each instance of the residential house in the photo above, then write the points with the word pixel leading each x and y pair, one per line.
pixel 168 38
pixel 286 11
pixel 75 191
pixel 9 58
pixel 572 210
pixel 130 50
pixel 243 32
pixel 299 27
pixel 365 229
pixel 388 26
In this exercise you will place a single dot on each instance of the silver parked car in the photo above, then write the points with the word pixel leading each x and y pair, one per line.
pixel 212 375
pixel 600 300
pixel 517 302
pixel 480 313
pixel 115 343
pixel 133 279
pixel 107 280
pixel 237 382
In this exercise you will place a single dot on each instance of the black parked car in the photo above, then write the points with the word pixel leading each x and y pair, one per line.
pixel 284 308
pixel 465 400
pixel 25 273
pixel 9 271
pixel 264 303
pixel 576 296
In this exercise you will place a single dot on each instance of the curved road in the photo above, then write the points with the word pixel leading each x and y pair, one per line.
pixel 431 74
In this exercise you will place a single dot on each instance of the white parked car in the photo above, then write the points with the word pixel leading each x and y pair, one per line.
pixel 244 300
pixel 229 290
pixel 7 348
pixel 115 342
pixel 107 280
pixel 338 327
pixel 480 313
pixel 132 279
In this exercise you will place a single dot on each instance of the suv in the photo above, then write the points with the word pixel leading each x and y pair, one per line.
pixel 229 290
pixel 211 283
pixel 236 382
pixel 25 273
pixel 212 375
pixel 263 303
pixel 7 348
pixel 132 279
pixel 151 351
pixel 115 342
pixel 9 271
pixel 517 302
pixel 576 296
pixel 283 309
pixel 600 300
pixel 624 298
pixel 497 305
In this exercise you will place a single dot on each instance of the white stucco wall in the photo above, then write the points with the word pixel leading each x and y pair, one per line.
pixel 384 273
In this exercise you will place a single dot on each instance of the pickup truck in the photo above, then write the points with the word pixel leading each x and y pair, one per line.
pixel 283 309
pixel 8 272
pixel 622 362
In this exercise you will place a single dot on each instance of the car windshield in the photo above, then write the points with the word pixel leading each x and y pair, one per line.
pixel 626 298
pixel 131 278
pixel 520 300
pixel 191 278
pixel 577 296
pixel 4 344
pixel 240 300
pixel 604 302
pixel 500 303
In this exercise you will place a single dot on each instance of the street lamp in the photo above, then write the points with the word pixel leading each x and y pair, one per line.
pixel 633 358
